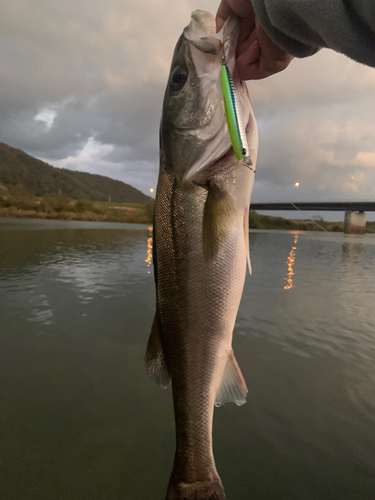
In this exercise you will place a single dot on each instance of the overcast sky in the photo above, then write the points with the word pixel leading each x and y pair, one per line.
pixel 82 82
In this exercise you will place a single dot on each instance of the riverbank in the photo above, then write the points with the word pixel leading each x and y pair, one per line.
pixel 143 215
pixel 258 221
pixel 93 214
pixel 20 204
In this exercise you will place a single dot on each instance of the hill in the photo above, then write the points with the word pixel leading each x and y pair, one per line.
pixel 36 176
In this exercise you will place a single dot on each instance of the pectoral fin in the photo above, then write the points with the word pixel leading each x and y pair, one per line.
pixel 218 219
pixel 154 358
pixel 233 386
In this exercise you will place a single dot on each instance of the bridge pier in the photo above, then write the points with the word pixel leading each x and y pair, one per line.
pixel 355 222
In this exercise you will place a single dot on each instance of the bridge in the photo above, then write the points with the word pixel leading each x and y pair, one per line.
pixel 355 216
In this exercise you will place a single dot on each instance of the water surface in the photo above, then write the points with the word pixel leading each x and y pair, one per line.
pixel 80 419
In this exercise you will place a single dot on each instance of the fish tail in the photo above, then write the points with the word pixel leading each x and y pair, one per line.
pixel 200 490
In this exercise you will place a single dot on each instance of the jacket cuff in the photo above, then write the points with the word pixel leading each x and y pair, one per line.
pixel 286 43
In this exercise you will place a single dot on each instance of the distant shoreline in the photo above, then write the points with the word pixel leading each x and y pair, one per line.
pixel 19 203
pixel 139 216
pixel 52 207
pixel 136 216
pixel 257 221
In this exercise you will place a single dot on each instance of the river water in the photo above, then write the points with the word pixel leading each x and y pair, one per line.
pixel 81 420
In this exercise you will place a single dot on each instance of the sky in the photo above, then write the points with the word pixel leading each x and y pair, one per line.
pixel 82 83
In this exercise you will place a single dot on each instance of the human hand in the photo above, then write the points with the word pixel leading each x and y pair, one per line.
pixel 257 55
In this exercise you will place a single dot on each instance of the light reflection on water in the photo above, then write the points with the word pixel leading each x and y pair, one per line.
pixel 40 309
pixel 149 250
pixel 80 419
pixel 290 262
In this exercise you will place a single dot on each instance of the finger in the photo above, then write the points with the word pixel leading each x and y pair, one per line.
pixel 247 27
pixel 242 8
pixel 223 12
pixel 262 68
pixel 248 61
pixel 254 62
pixel 271 52
pixel 246 46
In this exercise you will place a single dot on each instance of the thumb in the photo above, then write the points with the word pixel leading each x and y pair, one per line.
pixel 223 12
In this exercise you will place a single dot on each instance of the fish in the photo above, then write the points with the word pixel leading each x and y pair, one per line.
pixel 200 248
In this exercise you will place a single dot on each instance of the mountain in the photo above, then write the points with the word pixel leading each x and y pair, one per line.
pixel 17 167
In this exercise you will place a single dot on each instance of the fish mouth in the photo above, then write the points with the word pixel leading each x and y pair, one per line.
pixel 208 146
pixel 201 32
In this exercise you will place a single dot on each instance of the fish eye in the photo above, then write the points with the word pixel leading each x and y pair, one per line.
pixel 178 78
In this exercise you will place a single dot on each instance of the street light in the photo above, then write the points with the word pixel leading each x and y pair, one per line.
pixel 296 184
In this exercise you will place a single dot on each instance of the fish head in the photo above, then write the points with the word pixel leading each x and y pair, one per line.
pixel 194 133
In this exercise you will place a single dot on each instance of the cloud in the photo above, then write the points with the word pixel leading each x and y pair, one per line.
pixel 317 126
pixel 82 83
pixel 106 159
pixel 366 159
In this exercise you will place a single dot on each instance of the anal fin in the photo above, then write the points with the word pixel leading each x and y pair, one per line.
pixel 233 386
pixel 154 358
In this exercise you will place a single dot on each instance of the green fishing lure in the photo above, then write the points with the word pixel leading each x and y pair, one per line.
pixel 233 116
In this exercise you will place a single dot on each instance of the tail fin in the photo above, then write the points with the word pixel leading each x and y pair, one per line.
pixel 201 490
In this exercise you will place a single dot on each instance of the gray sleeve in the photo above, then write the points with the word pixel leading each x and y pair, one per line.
pixel 302 27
